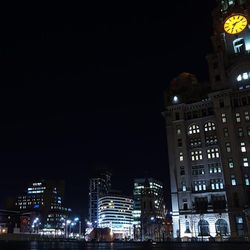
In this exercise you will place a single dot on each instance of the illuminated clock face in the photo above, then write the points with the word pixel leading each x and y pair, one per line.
pixel 235 24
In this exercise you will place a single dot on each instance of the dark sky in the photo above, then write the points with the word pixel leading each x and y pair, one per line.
pixel 82 85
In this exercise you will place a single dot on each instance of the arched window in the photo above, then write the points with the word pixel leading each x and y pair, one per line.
pixel 239 45
pixel 209 126
pixel 203 228
pixel 221 227
pixel 193 129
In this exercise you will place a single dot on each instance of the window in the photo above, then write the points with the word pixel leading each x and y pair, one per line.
pixel 246 180
pixel 187 231
pixel 233 180
pixel 193 129
pixel 178 131
pixel 210 140
pixel 216 184
pixel 200 186
pixel 181 156
pixel 223 118
pixel 203 228
pixel 213 153
pixel 226 134
pixel 221 227
pixel 248 131
pixel 228 147
pixel 243 147
pixel 182 170
pixel 240 132
pixel 183 186
pixel 214 168
pixel 198 170
pixel 230 163
pixel 196 155
pixel 239 226
pixel 222 104
pixel 195 142
pixel 179 142
pixel 209 126
pixel 239 45
pixel 247 117
pixel 237 115
pixel 245 162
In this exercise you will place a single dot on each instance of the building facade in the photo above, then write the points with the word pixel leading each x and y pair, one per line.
pixel 42 205
pixel 115 212
pixel 208 134
pixel 142 188
pixel 99 185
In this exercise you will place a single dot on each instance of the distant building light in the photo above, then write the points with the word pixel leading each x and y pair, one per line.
pixel 175 99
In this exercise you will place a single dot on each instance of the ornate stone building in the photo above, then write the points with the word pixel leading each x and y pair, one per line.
pixel 208 133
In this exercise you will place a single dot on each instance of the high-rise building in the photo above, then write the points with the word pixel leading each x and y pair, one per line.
pixel 208 134
pixel 44 200
pixel 99 185
pixel 155 188
pixel 115 212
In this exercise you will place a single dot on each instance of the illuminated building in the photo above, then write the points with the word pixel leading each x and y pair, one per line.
pixel 43 200
pixel 208 133
pixel 156 188
pixel 99 185
pixel 115 212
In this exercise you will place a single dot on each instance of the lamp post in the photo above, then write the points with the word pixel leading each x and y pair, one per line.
pixel 79 225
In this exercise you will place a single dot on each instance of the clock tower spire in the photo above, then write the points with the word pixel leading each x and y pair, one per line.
pixel 229 65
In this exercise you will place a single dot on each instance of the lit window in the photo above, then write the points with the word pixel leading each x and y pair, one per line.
pixel 181 156
pixel 228 147
pixel 239 78
pixel 245 162
pixel 209 126
pixel 196 155
pixel 223 118
pixel 230 163
pixel 216 184
pixel 178 131
pixel 239 46
pixel 214 168
pixel 245 76
pixel 183 186
pixel 200 185
pixel 193 129
pixel 247 118
pixel 243 147
pixel 233 180
pixel 237 117
pixel 213 153
pixel 246 178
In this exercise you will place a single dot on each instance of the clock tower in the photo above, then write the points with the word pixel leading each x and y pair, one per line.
pixel 229 65
pixel 208 134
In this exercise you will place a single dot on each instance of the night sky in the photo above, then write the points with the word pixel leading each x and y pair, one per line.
pixel 82 86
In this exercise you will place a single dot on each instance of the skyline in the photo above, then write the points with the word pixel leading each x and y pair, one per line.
pixel 89 91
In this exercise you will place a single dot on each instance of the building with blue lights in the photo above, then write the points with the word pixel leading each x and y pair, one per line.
pixel 43 200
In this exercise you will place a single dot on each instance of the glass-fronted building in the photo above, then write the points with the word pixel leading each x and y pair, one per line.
pixel 115 212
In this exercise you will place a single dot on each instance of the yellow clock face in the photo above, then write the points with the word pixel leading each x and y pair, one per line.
pixel 235 24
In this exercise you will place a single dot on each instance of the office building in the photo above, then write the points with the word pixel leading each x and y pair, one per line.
pixel 115 212
pixel 208 134
pixel 155 187
pixel 99 185
pixel 43 200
